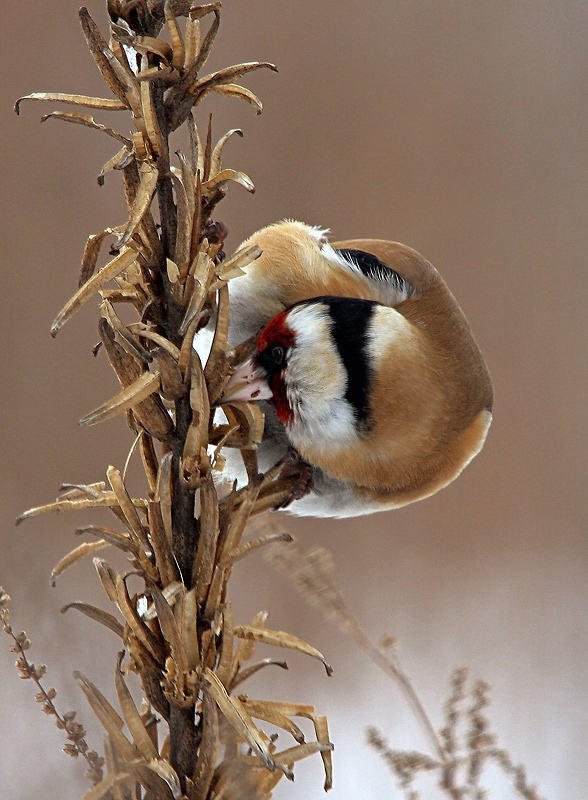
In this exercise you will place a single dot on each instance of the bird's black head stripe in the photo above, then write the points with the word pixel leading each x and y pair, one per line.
pixel 371 266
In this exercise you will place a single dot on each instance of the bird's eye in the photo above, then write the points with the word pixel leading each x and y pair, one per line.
pixel 278 354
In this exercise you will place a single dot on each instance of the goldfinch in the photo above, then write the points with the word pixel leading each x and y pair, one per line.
pixel 369 365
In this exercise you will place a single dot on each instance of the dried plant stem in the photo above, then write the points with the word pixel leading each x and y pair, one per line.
pixel 28 671
pixel 178 632
pixel 401 679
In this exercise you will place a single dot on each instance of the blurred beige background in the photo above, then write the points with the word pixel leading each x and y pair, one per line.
pixel 458 128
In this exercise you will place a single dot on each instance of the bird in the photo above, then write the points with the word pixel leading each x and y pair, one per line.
pixel 365 367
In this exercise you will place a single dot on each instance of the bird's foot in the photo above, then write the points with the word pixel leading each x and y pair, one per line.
pixel 296 466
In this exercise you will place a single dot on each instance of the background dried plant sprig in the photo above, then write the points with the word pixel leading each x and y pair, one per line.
pixel 463 747
pixel 178 631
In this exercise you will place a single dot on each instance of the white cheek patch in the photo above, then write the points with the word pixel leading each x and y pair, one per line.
pixel 316 382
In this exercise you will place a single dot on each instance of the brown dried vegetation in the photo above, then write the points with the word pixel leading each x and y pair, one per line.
pixel 178 632
pixel 464 746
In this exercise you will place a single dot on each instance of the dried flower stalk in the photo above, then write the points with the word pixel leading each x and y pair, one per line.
pixel 178 632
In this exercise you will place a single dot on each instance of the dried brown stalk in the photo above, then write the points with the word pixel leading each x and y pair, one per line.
pixel 178 631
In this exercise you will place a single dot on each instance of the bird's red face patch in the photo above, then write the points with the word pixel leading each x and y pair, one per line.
pixel 275 332
pixel 275 336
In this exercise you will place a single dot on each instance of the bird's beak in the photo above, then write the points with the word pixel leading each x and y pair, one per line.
pixel 247 383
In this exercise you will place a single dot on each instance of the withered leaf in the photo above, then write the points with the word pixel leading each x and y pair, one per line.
pixel 228 74
pixel 142 632
pixel 246 673
pixel 106 619
pixel 90 256
pixel 142 201
pixel 103 103
pixel 98 46
pixel 250 547
pixel 281 639
pixel 108 500
pixel 123 335
pixel 234 90
pixel 119 160
pixel 75 555
pixel 209 748
pixel 170 630
pixel 217 153
pixel 126 505
pixel 322 734
pixel 119 263
pixel 224 177
pixel 143 330
pixel 106 786
pixel 108 578
pixel 111 721
pixel 88 122
pixel 129 397
pixel 177 59
pixel 239 719
pixel 268 712
pixel 132 717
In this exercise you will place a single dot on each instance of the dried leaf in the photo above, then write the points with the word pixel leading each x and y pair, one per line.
pixel 244 674
pixel 143 330
pixel 126 505
pixel 150 117
pixel 217 153
pixel 110 720
pixel 175 36
pixel 122 334
pixel 239 719
pixel 184 224
pixel 224 177
pixel 293 754
pixel 170 630
pixel 142 202
pixel 106 619
pixel 108 577
pixel 190 629
pixel 106 786
pixel 163 554
pixel 163 494
pixel 108 500
pixel 172 382
pixel 119 160
pixel 88 122
pixel 209 529
pixel 269 712
pixel 167 773
pixel 150 413
pixel 191 40
pixel 106 104
pixel 281 639
pixel 250 547
pixel 227 75
pixel 98 47
pixel 119 263
pixel 234 90
pixel 322 734
pixel 129 397
pixel 132 717
pixel 226 656
pixel 144 634
pixel 209 747
pixel 75 555
pixel 90 256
